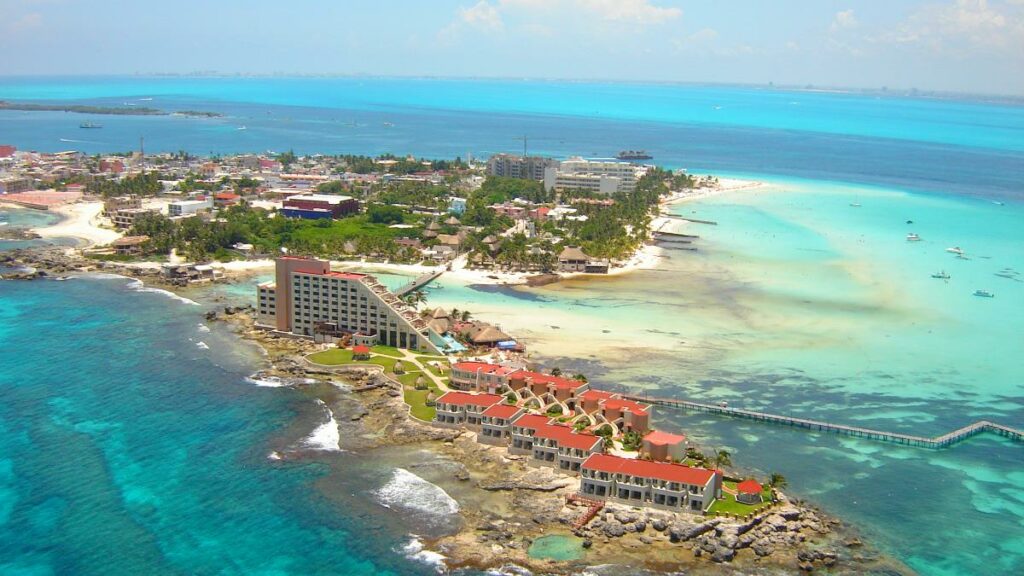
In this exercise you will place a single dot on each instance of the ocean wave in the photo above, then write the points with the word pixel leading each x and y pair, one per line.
pixel 415 551
pixel 325 436
pixel 138 286
pixel 266 381
pixel 408 491
pixel 202 345
pixel 203 328
pixel 510 570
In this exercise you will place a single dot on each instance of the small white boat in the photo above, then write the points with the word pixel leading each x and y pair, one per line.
pixel 854 205
pixel 241 128
pixel 913 237
pixel 943 275
pixel 984 294
pixel 955 250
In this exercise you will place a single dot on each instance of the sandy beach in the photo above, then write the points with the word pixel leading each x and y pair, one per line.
pixel 80 221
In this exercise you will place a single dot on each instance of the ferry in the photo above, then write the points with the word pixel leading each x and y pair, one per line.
pixel 90 125
pixel 913 237
pixel 984 294
pixel 634 155
pixel 943 275
pixel 955 250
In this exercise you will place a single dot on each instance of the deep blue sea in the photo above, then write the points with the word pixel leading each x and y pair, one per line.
pixel 127 447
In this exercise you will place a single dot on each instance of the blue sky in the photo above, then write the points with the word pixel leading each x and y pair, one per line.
pixel 958 45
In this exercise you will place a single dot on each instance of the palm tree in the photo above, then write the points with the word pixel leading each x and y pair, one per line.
pixel 580 377
pixel 723 459
pixel 465 315
pixel 556 371
pixel 777 481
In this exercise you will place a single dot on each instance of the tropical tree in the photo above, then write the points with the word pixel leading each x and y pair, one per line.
pixel 580 377
pixel 777 481
pixel 723 459
pixel 465 315
pixel 556 371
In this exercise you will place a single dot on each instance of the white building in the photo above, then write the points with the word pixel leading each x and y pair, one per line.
pixel 597 176
pixel 188 207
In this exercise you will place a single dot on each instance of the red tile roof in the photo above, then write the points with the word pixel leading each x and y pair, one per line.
pixel 659 438
pixel 625 406
pixel 346 275
pixel 484 367
pixel 226 196
pixel 749 486
pixel 467 399
pixel 566 437
pixel 540 378
pixel 646 469
pixel 361 349
pixel 533 421
pixel 596 395
pixel 505 411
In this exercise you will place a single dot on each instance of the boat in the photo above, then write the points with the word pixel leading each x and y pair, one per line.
pixel 634 155
pixel 984 294
pixel 854 205
pixel 913 237
pixel 241 128
pixel 90 125
pixel 943 275
pixel 955 250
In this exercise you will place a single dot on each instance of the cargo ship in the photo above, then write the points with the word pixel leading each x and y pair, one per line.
pixel 634 155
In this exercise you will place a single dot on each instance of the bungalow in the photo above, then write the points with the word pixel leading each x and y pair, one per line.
pixel 626 415
pixel 129 245
pixel 658 445
pixel 496 424
pixel 547 387
pixel 655 484
pixel 572 259
pixel 456 409
pixel 360 352
pixel 225 199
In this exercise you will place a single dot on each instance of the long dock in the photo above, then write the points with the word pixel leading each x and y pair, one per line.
pixel 943 441
pixel 418 283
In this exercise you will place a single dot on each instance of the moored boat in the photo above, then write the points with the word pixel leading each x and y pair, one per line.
pixel 913 237
pixel 984 294
pixel 955 250
pixel 943 275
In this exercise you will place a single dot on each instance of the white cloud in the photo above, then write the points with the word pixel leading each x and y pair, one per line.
pixel 636 11
pixel 482 15
pixel 962 27
pixel 843 20
pixel 24 23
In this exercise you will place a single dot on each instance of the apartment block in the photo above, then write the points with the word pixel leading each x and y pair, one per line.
pixel 655 484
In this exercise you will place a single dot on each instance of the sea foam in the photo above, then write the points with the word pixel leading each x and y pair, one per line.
pixel 326 435
pixel 414 550
pixel 408 491
pixel 138 286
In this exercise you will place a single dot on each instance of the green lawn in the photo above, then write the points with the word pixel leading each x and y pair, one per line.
pixel 350 228
pixel 728 504
pixel 387 351
pixel 417 401
pixel 332 357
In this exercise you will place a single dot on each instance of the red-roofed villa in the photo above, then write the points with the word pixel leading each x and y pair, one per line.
pixel 748 492
pixel 643 483
pixel 664 446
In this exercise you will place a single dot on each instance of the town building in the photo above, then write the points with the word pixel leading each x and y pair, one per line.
pixel 316 206
pixel 461 409
pixel 225 199
pixel 572 259
pixel 307 299
pixel 526 168
pixel 655 484
pixel 523 430
pixel 496 424
pixel 124 219
pixel 15 184
pixel 594 176
pixel 180 208
pixel 480 377
pixel 115 203
pixel 129 245
pixel 560 447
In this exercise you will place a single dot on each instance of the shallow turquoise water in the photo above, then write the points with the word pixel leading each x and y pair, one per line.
pixel 557 547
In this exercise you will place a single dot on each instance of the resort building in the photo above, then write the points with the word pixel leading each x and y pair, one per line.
pixel 308 299
pixel 315 206
pixel 526 168
pixel 496 424
pixel 124 219
pixel 129 245
pixel 480 377
pixel 610 408
pixel 547 390
pixel 655 484
pixel 115 203
pixel 523 430
pixel 560 447
pixel 595 176
pixel 456 409
pixel 663 446
pixel 180 208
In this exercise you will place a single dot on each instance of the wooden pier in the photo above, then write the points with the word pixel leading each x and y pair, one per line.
pixel 418 283
pixel 943 441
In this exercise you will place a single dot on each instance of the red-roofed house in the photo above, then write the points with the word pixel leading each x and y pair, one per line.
pixel 480 376
pixel 496 424
pixel 360 352
pixel 748 492
pixel 625 414
pixel 561 447
pixel 664 446
pixel 463 409
pixel 7 151
pixel 548 387
pixel 643 483
pixel 223 199
pixel 523 429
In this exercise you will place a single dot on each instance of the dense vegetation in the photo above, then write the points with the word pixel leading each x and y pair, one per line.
pixel 138 185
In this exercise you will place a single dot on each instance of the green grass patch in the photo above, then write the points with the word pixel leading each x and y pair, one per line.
pixel 728 504
pixel 387 351
pixel 332 357
pixel 417 401
pixel 350 228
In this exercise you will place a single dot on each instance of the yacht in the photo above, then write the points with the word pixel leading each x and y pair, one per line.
pixel 943 275
pixel 984 294
pixel 854 205
pixel 955 250
pixel 913 237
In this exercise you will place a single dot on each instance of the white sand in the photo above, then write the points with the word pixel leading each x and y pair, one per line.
pixel 81 221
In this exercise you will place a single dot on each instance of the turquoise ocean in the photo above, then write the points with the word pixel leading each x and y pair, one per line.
pixel 128 447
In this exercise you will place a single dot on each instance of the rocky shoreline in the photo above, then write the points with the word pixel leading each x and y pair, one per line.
pixel 525 502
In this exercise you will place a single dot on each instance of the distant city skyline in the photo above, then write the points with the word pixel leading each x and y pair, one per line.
pixel 968 46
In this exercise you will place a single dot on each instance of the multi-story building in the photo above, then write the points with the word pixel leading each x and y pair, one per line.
pixel 308 299
pixel 456 409
pixel 496 424
pixel 523 430
pixel 560 447
pixel 480 376
pixel 188 207
pixel 15 184
pixel 626 415
pixel 124 219
pixel 314 206
pixel 596 176
pixel 643 483
pixel 115 203
pixel 526 168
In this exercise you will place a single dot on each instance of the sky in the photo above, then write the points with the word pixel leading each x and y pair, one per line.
pixel 974 46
